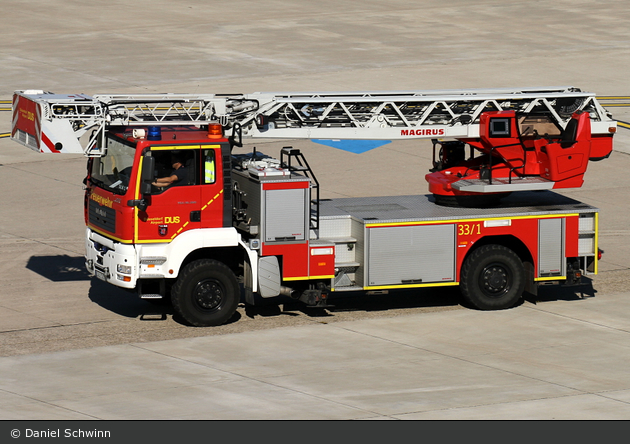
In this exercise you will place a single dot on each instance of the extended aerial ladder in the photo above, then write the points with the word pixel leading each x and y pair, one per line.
pixel 54 123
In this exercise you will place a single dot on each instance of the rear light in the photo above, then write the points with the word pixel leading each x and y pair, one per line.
pixel 600 253
pixel 215 131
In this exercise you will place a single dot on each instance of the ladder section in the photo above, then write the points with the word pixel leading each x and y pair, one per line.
pixel 162 109
pixel 50 122
pixel 293 160
pixel 421 114
pixel 55 123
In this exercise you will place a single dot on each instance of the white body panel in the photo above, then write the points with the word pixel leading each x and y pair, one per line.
pixel 160 260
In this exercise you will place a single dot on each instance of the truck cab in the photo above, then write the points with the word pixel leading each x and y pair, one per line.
pixel 127 215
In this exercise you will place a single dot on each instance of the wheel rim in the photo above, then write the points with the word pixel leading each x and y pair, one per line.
pixel 208 295
pixel 495 280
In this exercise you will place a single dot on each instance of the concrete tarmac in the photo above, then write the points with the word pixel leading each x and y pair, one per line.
pixel 72 348
pixel 562 360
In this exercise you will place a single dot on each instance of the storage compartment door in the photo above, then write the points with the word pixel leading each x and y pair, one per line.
pixel 551 247
pixel 286 215
pixel 411 255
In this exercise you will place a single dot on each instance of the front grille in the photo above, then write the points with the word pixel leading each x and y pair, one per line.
pixel 102 217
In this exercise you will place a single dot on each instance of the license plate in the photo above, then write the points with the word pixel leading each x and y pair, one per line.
pixel 100 274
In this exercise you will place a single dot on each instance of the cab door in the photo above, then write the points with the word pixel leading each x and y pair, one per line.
pixel 213 190
pixel 174 209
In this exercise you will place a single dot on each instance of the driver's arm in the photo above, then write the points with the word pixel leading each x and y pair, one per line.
pixel 165 181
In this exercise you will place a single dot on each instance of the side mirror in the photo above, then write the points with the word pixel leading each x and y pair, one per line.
pixel 147 175
pixel 146 178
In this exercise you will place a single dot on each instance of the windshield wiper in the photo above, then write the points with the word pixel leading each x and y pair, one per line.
pixel 96 182
pixel 117 187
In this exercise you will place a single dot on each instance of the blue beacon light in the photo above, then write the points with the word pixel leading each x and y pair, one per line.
pixel 155 133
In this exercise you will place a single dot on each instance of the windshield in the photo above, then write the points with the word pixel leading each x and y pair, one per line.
pixel 113 171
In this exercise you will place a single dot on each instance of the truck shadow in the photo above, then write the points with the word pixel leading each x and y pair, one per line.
pixel 551 293
pixel 127 303
pixel 359 301
pixel 65 268
pixel 60 268
pixel 418 298
pixel 122 302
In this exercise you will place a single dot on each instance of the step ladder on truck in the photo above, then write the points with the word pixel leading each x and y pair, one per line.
pixel 491 225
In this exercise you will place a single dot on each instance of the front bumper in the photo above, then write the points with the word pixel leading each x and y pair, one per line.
pixel 110 261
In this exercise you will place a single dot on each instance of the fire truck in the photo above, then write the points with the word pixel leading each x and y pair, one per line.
pixel 227 226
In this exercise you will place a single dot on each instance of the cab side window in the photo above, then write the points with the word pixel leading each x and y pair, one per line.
pixel 209 167
pixel 181 165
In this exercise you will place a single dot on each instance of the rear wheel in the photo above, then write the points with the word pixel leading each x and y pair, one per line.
pixel 206 293
pixel 492 278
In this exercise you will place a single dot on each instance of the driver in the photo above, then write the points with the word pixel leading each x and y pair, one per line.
pixel 179 175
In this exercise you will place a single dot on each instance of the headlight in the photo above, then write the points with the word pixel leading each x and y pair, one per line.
pixel 125 269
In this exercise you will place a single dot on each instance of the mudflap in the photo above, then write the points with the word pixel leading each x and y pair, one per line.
pixel 248 290
pixel 531 286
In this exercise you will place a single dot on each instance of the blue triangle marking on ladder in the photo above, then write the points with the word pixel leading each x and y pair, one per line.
pixel 353 146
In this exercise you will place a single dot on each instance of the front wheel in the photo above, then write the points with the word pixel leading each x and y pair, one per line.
pixel 206 293
pixel 492 278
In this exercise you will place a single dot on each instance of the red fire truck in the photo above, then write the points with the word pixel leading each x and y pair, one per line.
pixel 492 223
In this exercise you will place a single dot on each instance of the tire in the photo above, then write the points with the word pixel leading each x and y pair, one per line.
pixel 492 278
pixel 206 293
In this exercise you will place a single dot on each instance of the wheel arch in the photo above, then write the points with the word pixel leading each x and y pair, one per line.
pixel 509 241
pixel 517 246
pixel 230 256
